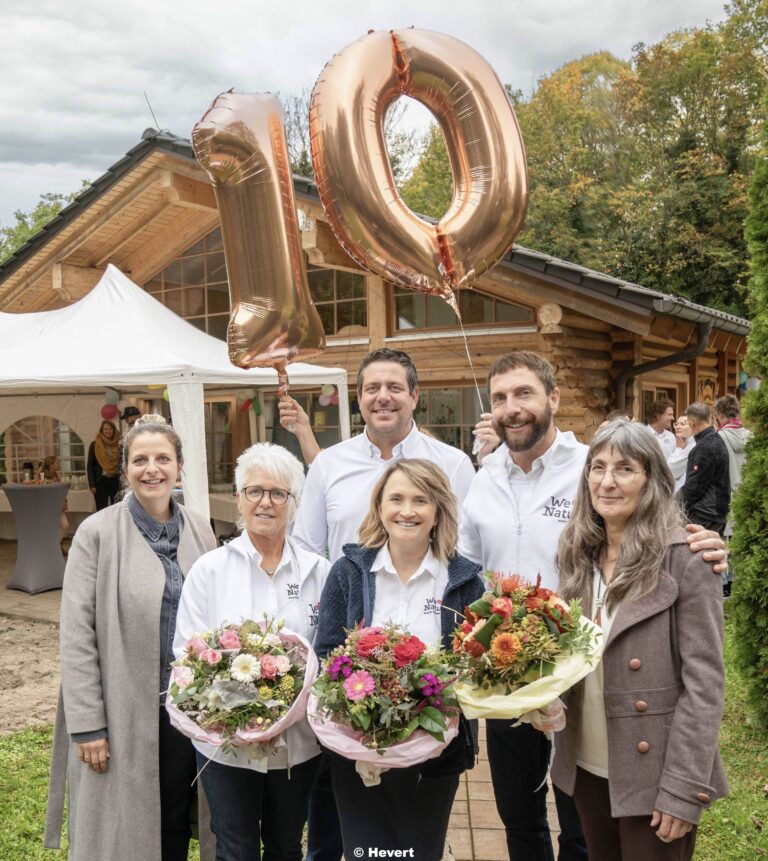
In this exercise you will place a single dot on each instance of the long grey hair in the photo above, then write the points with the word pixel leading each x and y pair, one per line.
pixel 645 539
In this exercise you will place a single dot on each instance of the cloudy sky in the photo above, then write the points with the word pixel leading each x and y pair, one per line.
pixel 73 74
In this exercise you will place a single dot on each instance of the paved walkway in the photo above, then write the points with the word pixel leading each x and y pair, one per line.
pixel 475 832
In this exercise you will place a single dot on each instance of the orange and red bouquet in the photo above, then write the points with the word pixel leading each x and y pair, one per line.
pixel 515 632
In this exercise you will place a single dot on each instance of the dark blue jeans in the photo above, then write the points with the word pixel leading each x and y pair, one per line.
pixel 518 758
pixel 323 828
pixel 249 808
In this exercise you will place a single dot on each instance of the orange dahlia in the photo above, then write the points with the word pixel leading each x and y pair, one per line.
pixel 505 648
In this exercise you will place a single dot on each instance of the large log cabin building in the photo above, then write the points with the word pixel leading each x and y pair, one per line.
pixel 153 215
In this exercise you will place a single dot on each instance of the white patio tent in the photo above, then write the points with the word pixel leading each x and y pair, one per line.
pixel 120 336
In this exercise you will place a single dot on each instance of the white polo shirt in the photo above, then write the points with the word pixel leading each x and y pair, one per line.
pixel 666 440
pixel 512 520
pixel 678 461
pixel 337 493
pixel 414 605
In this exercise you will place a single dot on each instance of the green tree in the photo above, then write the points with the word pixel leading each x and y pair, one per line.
pixel 429 189
pixel 27 224
pixel 749 546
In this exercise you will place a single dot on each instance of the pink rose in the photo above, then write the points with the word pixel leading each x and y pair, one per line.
pixel 268 666
pixel 196 646
pixel 502 607
pixel 283 664
pixel 230 640
pixel 211 656
pixel 183 676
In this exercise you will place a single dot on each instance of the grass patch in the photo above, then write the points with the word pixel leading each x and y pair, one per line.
pixel 731 831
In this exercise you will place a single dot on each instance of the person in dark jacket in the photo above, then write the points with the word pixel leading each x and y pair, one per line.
pixel 104 455
pixel 707 488
pixel 404 571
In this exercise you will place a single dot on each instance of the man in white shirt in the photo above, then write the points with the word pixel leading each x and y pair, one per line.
pixel 511 522
pixel 660 418
pixel 339 483
pixel 337 496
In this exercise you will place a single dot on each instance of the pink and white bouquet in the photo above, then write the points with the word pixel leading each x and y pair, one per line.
pixel 384 700
pixel 241 685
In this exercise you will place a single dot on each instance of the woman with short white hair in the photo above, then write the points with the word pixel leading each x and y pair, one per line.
pixel 253 802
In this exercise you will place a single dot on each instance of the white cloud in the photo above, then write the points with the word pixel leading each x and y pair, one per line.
pixel 73 75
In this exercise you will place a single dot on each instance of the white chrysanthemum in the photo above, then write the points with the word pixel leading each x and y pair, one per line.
pixel 272 640
pixel 245 668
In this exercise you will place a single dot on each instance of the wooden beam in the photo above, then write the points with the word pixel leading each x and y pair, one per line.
pixel 73 282
pixel 142 221
pixel 160 250
pixel 543 291
pixel 81 235
pixel 193 194
pixel 324 250
pixel 377 311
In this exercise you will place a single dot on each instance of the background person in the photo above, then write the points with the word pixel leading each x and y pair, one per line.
pixel 50 472
pixel 103 465
pixel 661 415
pixel 129 771
pixel 707 489
pixel 639 752
pixel 262 570
pixel 684 443
pixel 130 416
pixel 407 555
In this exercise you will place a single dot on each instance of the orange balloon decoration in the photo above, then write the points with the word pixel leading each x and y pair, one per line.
pixel 354 176
pixel 240 142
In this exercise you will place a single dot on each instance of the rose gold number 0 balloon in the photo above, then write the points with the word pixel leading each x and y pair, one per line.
pixel 354 176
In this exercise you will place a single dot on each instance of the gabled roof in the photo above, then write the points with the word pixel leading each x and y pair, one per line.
pixel 523 260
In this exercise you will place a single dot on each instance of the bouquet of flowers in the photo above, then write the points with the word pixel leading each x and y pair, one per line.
pixel 521 646
pixel 384 700
pixel 242 686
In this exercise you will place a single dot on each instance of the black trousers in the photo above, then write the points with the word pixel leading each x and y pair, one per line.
pixel 249 808
pixel 406 811
pixel 107 488
pixel 178 796
pixel 518 758
pixel 323 828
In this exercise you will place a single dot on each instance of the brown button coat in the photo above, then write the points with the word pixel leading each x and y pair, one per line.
pixel 663 690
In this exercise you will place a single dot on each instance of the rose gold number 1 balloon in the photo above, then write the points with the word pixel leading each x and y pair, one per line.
pixel 240 142
pixel 354 176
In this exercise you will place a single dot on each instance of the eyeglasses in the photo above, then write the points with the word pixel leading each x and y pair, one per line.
pixel 277 495
pixel 621 474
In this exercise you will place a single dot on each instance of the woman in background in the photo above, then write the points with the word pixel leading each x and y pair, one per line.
pixel 104 465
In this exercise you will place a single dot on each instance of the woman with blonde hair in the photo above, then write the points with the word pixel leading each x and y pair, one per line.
pixel 639 751
pixel 404 571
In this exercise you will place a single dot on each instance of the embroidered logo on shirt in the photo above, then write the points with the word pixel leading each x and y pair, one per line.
pixel 314 610
pixel 560 509
pixel 432 607
pixel 293 591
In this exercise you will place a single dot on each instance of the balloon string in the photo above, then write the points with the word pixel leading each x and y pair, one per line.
pixel 452 301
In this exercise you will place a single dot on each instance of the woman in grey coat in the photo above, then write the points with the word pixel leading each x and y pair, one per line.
pixel 128 771
pixel 639 751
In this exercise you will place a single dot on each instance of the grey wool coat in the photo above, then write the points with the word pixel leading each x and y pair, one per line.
pixel 663 689
pixel 110 662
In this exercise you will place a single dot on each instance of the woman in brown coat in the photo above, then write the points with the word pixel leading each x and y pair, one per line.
pixel 639 752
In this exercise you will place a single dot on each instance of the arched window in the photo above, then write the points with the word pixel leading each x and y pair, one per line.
pixel 34 438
